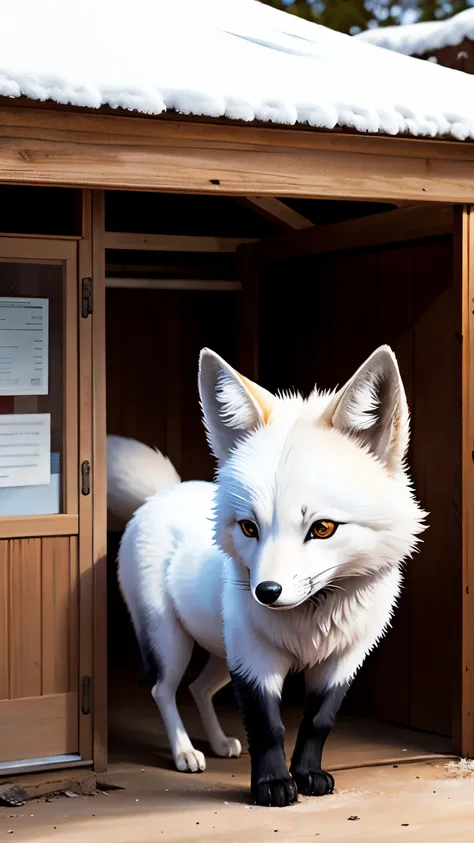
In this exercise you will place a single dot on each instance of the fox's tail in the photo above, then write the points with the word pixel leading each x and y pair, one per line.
pixel 134 473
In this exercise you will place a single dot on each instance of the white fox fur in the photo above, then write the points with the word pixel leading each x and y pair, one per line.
pixel 135 472
pixel 188 573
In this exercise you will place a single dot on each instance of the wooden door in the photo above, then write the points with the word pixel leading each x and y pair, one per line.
pixel 45 528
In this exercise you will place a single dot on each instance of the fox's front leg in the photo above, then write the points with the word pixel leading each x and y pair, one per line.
pixel 258 672
pixel 322 705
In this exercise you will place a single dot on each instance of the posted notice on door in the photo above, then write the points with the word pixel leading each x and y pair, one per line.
pixel 25 450
pixel 23 346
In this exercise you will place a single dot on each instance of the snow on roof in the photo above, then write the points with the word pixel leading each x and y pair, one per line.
pixel 223 58
pixel 416 39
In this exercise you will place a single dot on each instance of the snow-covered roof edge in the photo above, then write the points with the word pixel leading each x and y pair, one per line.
pixel 236 59
pixel 417 39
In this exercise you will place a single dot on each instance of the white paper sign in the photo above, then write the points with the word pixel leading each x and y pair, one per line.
pixel 25 449
pixel 23 346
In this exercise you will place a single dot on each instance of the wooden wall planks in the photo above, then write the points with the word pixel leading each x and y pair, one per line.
pixel 38 600
pixel 56 602
pixel 153 343
pixel 436 572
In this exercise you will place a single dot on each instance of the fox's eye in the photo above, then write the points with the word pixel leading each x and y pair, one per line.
pixel 249 528
pixel 321 530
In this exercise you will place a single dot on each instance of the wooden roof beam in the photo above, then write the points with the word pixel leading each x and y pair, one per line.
pixel 206 284
pixel 411 223
pixel 277 212
pixel 69 148
pixel 128 241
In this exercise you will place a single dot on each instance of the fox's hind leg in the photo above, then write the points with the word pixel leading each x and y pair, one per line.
pixel 174 649
pixel 214 677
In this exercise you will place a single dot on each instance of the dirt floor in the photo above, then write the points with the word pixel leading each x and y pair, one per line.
pixel 400 800
pixel 412 802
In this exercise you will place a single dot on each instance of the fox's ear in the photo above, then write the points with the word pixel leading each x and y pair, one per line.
pixel 372 406
pixel 231 404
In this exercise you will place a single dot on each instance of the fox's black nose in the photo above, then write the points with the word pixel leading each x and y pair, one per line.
pixel 268 592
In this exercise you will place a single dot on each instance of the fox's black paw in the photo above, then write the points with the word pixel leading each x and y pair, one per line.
pixel 277 794
pixel 313 782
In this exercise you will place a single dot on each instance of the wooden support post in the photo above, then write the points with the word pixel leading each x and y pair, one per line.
pixel 464 727
pixel 277 212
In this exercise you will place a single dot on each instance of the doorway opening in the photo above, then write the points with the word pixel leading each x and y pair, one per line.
pixel 326 299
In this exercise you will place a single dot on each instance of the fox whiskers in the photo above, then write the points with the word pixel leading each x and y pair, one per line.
pixel 240 585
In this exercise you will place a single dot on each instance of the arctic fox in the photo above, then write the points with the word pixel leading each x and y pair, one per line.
pixel 291 561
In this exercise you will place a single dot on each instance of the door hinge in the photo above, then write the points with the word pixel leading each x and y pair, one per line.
pixel 86 694
pixel 86 297
pixel 86 477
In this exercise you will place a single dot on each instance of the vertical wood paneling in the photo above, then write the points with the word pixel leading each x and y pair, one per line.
pixel 382 689
pixel 55 612
pixel 316 346
pixel 248 312
pixel 4 620
pixel 208 319
pixel 39 636
pixel 165 330
pixel 436 575
pixel 25 618
pixel 353 312
pixel 113 386
pixel 173 333
pixel 391 682
pixel 136 355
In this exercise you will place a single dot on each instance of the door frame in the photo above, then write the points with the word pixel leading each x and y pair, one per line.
pixel 76 518
pixel 94 244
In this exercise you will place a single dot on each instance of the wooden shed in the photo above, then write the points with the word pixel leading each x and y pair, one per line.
pixel 292 244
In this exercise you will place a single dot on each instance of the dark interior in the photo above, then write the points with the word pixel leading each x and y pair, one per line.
pixel 319 317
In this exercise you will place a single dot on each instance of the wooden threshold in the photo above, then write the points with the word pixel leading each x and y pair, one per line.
pixel 403 224
pixel 39 783
pixel 41 146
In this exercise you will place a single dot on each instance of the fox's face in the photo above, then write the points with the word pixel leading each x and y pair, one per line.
pixel 312 492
